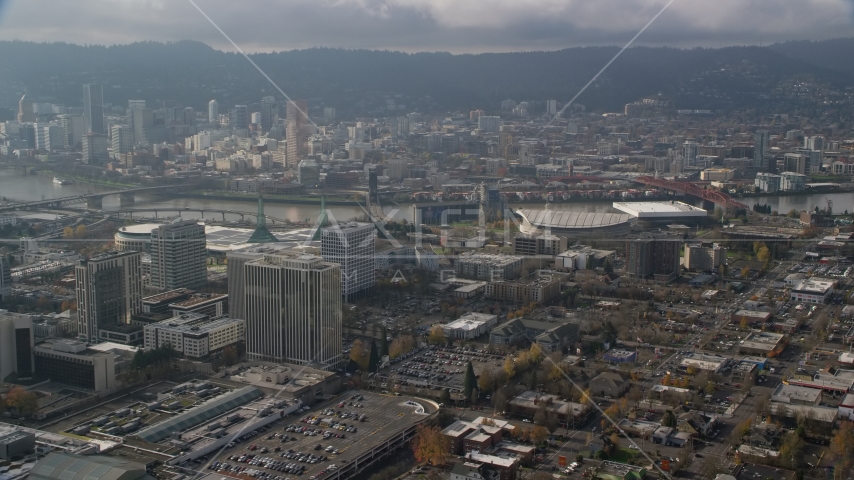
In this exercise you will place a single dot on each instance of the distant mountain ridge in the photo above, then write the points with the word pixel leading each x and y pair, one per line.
pixel 834 54
pixel 363 81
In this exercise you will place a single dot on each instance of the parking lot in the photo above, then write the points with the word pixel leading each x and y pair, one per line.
pixel 436 368
pixel 318 442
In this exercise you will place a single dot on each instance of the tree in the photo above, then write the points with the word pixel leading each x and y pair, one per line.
pixel 430 445
pixel 669 419
pixel 486 381
pixel 586 398
pixel 470 381
pixel 539 434
pixel 400 346
pixel 437 336
pixel 24 401
pixel 509 367
pixel 790 450
pixel 359 355
pixel 609 333
pixel 384 344
pixel 500 401
pixel 541 415
pixel 374 358
pixel 745 271
pixel 43 303
pixel 607 266
pixel 444 396
pixel 536 353
pixel 80 231
pixel 793 213
pixel 842 444
pixel 67 233
pixel 710 388
pixel 552 422
pixel 635 394
pixel 229 355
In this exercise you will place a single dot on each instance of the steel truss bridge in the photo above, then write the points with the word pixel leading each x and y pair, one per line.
pixel 92 200
pixel 714 196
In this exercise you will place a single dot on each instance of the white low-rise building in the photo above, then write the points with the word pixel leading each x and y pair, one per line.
pixel 704 362
pixel 470 325
pixel 813 290
pixel 195 335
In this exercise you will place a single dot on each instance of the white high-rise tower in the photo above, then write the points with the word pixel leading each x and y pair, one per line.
pixel 213 111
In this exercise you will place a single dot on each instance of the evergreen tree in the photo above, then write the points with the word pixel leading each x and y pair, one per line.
pixel 470 381
pixel 384 344
pixel 374 358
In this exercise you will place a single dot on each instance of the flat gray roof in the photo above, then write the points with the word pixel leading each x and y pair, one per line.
pixel 568 219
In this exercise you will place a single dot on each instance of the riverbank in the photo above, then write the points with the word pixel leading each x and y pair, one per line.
pixel 86 180
pixel 808 191
pixel 242 197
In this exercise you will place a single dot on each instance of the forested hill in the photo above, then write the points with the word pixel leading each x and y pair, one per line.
pixel 361 81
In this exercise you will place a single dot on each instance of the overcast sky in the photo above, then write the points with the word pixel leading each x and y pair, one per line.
pixel 427 25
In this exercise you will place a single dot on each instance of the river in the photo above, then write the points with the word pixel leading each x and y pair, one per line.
pixel 15 186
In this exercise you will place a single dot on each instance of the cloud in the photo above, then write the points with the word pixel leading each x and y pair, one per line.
pixel 417 25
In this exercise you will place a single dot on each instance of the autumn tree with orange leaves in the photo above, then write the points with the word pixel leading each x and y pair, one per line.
pixel 430 446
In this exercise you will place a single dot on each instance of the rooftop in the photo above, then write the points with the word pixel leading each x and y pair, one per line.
pixel 562 219
pixel 789 393
pixel 660 209
pixel 166 296
pixel 752 314
pixel 814 285
pixel 200 298
pixel 470 321
pixel 193 323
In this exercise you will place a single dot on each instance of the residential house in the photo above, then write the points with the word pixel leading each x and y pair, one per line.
pixel 610 384
pixel 473 471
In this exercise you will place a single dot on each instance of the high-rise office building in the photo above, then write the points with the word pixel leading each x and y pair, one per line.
pixel 73 128
pixel 651 256
pixel 213 111
pixel 815 142
pixel 704 257
pixel 121 138
pixel 109 291
pixel 269 113
pixel 189 116
pixel 489 123
pixel 399 128
pixel 16 345
pixel 293 310
pixel 351 245
pixel 141 121
pixel 760 149
pixel 93 108
pixel 240 117
pixel 298 131
pixel 236 274
pixel 96 148
pixel 178 255
pixel 5 280
pixel 42 133
pixel 690 150
pixel 551 107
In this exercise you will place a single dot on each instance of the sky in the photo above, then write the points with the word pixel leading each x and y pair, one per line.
pixel 457 26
